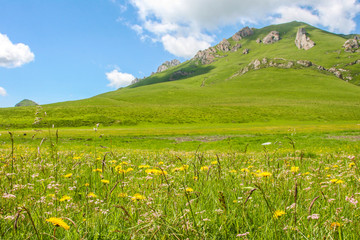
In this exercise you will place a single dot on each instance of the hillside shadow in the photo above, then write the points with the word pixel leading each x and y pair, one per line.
pixel 175 74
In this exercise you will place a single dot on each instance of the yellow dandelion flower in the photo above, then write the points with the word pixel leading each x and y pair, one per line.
pixel 278 213
pixel 68 175
pixel 250 166
pixel 327 168
pixel 294 169
pixel 182 168
pixel 113 161
pixel 129 170
pixel 339 181
pixel 76 158
pixel 98 158
pixel 160 163
pixel 97 170
pixel 329 175
pixel 124 163
pixel 105 181
pixel 334 180
pixel 204 168
pixel 138 196
pixel 189 189
pixel 351 165
pixel 244 170
pixel 232 171
pixel 58 222
pixel 144 166
pixel 86 184
pixel 214 162
pixel 122 195
pixel 51 195
pixel 84 219
pixel 335 166
pixel 335 225
pixel 265 174
pixel 65 198
pixel 195 178
pixel 307 173
pixel 92 195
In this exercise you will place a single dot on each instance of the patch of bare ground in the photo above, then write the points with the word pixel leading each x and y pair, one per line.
pixel 353 138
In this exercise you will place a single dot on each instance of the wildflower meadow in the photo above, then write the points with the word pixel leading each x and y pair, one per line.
pixel 51 192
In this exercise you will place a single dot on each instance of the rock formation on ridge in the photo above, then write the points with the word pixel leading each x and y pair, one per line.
pixel 351 45
pixel 166 65
pixel 272 37
pixel 246 31
pixel 302 41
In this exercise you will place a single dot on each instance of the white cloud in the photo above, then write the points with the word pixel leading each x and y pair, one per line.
pixel 2 92
pixel 13 55
pixel 193 21
pixel 183 46
pixel 118 79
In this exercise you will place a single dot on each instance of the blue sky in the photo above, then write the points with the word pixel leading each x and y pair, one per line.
pixel 67 47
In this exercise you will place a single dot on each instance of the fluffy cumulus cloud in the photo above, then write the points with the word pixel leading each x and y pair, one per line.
pixel 13 55
pixel 185 26
pixel 2 92
pixel 118 79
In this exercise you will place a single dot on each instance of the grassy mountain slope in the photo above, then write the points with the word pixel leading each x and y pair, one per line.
pixel 213 94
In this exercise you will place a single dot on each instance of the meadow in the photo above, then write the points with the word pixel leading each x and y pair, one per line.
pixel 250 182
pixel 271 154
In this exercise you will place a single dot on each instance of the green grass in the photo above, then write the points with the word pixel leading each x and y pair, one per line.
pixel 215 192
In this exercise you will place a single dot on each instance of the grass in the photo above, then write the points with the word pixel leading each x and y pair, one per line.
pixel 304 184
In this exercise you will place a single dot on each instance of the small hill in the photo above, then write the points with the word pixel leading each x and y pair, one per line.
pixel 26 103
pixel 281 73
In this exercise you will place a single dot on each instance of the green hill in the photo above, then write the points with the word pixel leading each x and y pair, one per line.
pixel 273 82
pixel 26 103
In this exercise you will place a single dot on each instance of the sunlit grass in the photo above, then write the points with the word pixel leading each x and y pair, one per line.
pixel 275 192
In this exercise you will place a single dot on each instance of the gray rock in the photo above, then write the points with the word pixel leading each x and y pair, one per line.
pixel 236 47
pixel 264 61
pixel 246 51
pixel 304 63
pixel 224 46
pixel 206 56
pixel 302 41
pixel 321 68
pixel 256 64
pixel 166 65
pixel 351 45
pixel 272 37
pixel 258 40
pixel 246 31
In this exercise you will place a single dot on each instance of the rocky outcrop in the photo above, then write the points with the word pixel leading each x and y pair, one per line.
pixel 302 41
pixel 223 46
pixel 205 56
pixel 272 37
pixel 136 80
pixel 304 63
pixel 258 40
pixel 246 31
pixel 246 51
pixel 287 64
pixel 236 47
pixel 166 65
pixel 351 45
